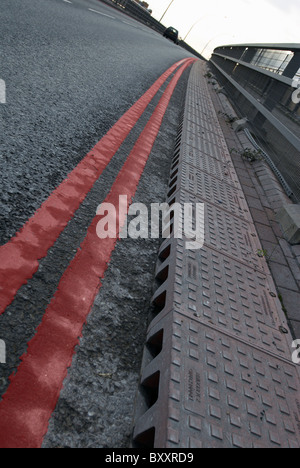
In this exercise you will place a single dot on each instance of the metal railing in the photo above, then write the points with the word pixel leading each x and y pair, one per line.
pixel 138 12
pixel 268 99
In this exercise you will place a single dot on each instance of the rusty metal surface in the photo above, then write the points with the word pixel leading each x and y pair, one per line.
pixel 217 369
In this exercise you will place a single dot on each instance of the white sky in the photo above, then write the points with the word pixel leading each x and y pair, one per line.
pixel 231 21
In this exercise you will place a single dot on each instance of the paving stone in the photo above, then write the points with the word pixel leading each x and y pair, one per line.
pixel 287 248
pixel 274 252
pixel 254 203
pixel 251 191
pixel 259 216
pixel 283 276
pixel 265 202
pixel 296 328
pixel 242 172
pixel 246 181
pixel 291 301
pixel 289 219
pixel 266 233
pixel 293 264
pixel 296 250
pixel 270 214
pixel 276 229
pixel 238 162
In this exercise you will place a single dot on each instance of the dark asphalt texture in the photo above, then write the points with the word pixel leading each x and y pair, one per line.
pixel 70 74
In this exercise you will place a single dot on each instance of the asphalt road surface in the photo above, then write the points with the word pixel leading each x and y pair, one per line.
pixel 70 74
pixel 72 69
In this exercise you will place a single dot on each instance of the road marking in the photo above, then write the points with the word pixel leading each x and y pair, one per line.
pixel 34 390
pixel 21 255
pixel 130 24
pixel 2 92
pixel 103 14
pixel 67 1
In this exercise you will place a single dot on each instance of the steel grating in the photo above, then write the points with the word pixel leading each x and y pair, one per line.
pixel 217 369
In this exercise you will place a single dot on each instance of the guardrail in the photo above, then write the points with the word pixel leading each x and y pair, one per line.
pixel 139 13
pixel 269 100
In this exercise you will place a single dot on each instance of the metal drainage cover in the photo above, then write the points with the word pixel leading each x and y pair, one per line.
pixel 217 369
pixel 215 391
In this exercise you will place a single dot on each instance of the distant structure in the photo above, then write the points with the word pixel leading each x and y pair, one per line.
pixel 144 5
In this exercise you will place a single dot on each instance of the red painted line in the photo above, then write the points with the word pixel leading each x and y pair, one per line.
pixel 34 390
pixel 19 258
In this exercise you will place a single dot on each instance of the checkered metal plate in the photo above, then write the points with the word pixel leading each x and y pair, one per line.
pixel 215 391
pixel 201 162
pixel 214 289
pixel 217 369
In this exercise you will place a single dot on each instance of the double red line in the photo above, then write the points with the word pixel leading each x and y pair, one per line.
pixel 19 258
pixel 34 390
